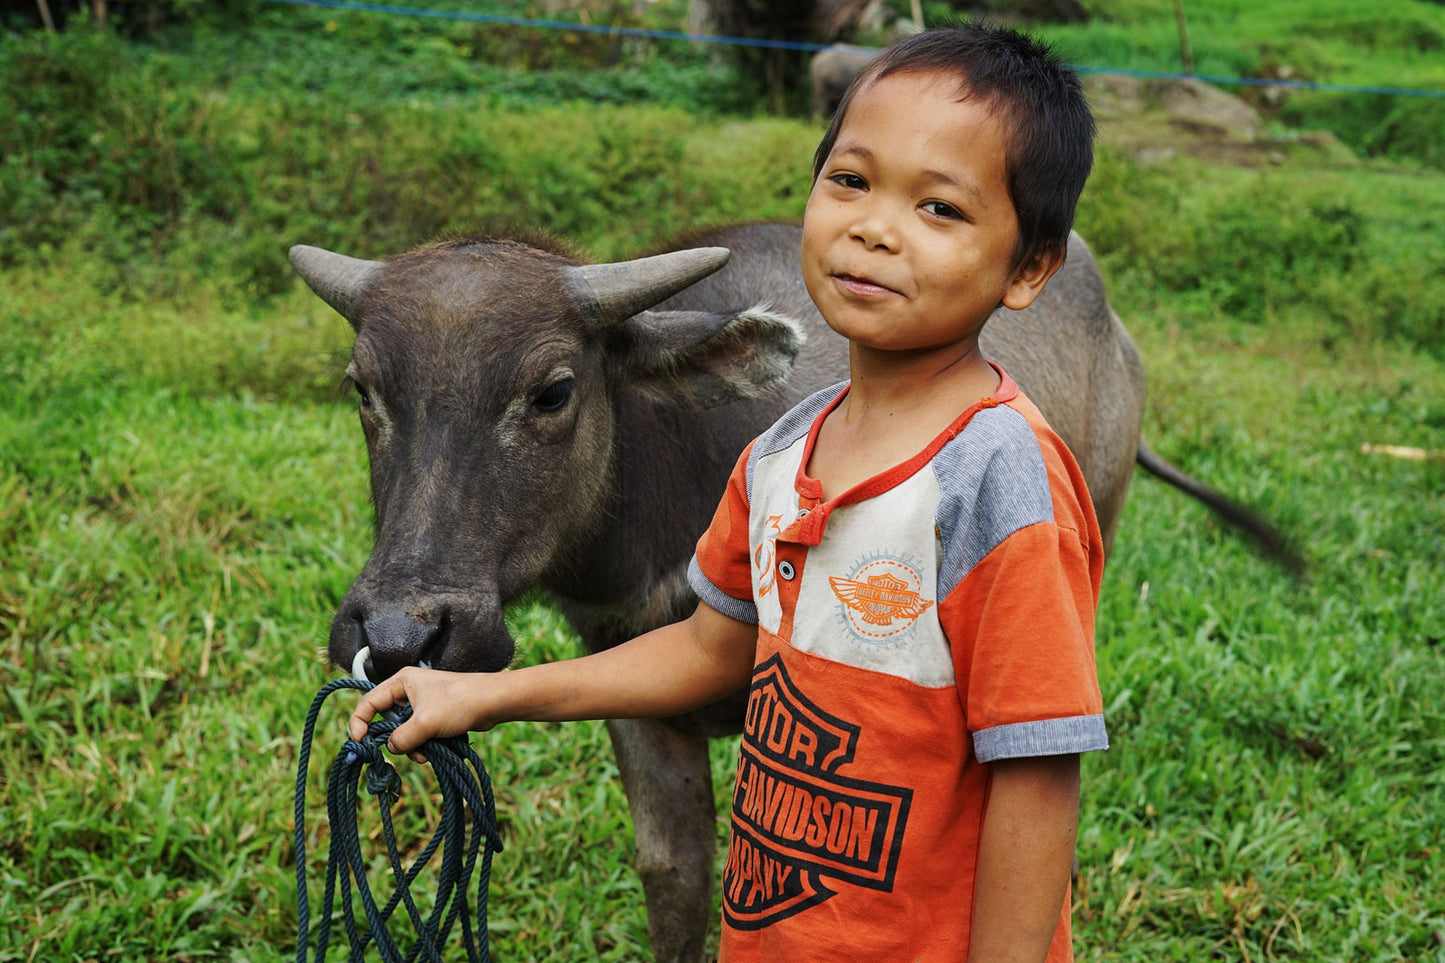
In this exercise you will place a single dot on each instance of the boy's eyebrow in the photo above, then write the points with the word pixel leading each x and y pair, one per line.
pixel 948 180
pixel 928 174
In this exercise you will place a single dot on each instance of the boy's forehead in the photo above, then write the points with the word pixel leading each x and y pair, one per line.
pixel 946 84
pixel 907 92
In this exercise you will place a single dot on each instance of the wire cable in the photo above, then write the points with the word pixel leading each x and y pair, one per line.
pixel 617 31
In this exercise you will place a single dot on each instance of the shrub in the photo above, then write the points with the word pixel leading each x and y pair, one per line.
pixel 1258 247
pixel 1410 130
pixel 93 124
pixel 1257 253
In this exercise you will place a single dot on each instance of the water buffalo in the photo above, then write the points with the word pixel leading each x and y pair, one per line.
pixel 532 421
pixel 831 71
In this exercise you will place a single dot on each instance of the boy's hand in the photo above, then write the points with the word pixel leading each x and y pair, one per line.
pixel 442 704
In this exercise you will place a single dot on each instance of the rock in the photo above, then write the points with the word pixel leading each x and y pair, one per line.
pixel 1187 100
pixel 1157 119
pixel 1199 103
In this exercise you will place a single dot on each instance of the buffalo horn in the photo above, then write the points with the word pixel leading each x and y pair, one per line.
pixel 336 278
pixel 611 293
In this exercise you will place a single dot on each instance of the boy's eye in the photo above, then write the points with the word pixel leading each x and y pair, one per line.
pixel 940 209
pixel 850 182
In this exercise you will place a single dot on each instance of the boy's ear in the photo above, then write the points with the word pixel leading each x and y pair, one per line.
pixel 1029 280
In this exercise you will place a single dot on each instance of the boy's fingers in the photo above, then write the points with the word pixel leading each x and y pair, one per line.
pixel 401 740
pixel 384 696
pixel 357 725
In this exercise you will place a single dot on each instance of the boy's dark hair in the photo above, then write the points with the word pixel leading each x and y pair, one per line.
pixel 1050 130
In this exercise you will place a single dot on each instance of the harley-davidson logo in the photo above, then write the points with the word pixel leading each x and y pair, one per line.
pixel 798 826
pixel 881 602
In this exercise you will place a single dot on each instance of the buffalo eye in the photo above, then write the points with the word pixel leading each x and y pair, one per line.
pixel 554 397
pixel 363 396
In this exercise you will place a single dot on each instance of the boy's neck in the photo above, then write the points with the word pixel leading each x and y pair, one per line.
pixel 895 382
pixel 897 405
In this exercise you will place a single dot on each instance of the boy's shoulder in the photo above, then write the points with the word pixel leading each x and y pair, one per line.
pixel 998 463
pixel 795 423
pixel 1005 471
pixel 1006 441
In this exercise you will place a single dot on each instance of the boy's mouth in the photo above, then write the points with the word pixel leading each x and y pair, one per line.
pixel 864 287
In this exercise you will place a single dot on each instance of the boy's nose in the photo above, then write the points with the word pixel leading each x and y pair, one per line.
pixel 874 230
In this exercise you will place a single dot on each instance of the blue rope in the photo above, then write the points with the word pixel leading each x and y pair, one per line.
pixel 798 45
pixel 1264 82
pixel 465 788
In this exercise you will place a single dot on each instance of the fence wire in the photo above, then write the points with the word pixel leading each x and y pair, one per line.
pixel 644 33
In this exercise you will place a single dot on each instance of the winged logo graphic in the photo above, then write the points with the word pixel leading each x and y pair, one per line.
pixel 880 599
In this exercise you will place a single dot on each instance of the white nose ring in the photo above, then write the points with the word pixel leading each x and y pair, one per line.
pixel 358 664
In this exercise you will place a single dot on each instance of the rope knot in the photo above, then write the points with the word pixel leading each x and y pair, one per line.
pixel 383 779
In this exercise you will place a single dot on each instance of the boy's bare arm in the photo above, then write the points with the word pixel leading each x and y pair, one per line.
pixel 1024 857
pixel 664 672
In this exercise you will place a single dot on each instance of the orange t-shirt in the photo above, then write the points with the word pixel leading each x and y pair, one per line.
pixel 933 619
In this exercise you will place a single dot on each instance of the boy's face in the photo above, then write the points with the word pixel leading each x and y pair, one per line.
pixel 910 233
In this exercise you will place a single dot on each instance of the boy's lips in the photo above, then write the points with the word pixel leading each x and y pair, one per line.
pixel 862 286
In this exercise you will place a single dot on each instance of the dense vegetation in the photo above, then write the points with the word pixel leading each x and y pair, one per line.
pixel 182 497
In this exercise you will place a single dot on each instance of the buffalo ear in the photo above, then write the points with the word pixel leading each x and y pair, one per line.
pixel 706 359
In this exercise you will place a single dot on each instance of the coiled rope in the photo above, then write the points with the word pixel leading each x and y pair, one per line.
pixel 465 788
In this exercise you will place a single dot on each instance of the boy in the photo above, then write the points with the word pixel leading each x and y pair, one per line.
pixel 905 566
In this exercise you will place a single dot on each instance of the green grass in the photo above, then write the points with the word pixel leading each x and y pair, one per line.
pixel 1275 788
pixel 171 560
pixel 1395 45
pixel 183 503
pixel 1330 41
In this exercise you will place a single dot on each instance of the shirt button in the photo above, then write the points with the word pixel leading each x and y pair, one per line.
pixel 785 569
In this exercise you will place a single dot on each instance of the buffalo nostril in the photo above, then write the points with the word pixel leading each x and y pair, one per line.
pixel 394 641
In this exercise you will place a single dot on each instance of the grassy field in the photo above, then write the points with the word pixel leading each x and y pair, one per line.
pixel 183 503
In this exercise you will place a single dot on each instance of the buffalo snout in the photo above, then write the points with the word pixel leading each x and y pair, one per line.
pixel 442 636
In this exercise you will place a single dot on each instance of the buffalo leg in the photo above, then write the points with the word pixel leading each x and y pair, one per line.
pixel 669 789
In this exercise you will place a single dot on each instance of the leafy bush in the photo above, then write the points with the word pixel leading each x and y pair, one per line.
pixel 1410 130
pixel 127 155
pixel 94 127
pixel 172 167
pixel 1262 246
pixel 136 18
pixel 1255 253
